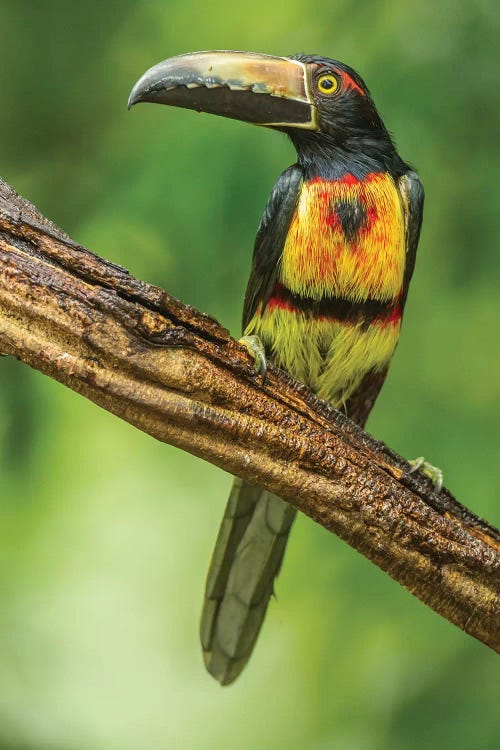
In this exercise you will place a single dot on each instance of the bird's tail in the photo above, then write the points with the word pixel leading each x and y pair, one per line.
pixel 246 560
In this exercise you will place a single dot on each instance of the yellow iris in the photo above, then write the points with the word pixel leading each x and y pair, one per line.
pixel 328 84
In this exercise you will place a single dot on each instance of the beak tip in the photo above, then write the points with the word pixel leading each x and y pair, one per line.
pixel 133 98
pixel 144 88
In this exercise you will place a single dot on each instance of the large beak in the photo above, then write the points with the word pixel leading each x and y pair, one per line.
pixel 260 89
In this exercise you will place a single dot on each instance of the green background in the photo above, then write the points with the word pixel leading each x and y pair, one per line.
pixel 105 534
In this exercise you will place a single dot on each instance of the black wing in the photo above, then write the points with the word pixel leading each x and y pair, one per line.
pixel 270 240
pixel 412 192
pixel 360 404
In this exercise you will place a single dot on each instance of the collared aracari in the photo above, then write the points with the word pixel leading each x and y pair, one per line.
pixel 333 259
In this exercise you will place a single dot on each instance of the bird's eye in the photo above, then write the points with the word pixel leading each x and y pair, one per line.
pixel 328 83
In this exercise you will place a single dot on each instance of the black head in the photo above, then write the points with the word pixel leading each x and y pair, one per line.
pixel 347 118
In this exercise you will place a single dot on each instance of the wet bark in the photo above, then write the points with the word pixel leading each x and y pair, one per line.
pixel 177 374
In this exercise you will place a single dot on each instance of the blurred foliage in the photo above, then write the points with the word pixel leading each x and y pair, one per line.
pixel 105 535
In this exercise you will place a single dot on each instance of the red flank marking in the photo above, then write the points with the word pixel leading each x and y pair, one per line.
pixel 276 303
pixel 393 317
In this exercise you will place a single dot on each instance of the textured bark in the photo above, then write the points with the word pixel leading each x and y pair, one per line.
pixel 177 374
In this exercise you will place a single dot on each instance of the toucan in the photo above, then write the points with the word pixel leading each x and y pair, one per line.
pixel 332 263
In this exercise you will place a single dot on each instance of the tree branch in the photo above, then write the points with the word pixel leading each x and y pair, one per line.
pixel 177 374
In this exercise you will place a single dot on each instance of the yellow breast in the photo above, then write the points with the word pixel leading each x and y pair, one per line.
pixel 321 258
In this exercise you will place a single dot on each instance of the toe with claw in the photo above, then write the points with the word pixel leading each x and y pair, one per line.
pixel 255 348
pixel 433 472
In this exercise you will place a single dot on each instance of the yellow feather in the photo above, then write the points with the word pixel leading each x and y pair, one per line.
pixel 329 356
pixel 317 257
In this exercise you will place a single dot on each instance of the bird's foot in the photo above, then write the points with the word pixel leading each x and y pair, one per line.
pixel 433 472
pixel 255 348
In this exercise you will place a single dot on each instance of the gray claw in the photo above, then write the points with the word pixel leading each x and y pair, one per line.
pixel 433 472
pixel 255 348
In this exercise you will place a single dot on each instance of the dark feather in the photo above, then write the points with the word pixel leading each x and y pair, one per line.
pixel 270 240
pixel 352 217
pixel 412 191
pixel 360 404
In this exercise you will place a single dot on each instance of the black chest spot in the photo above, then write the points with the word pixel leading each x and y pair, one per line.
pixel 351 216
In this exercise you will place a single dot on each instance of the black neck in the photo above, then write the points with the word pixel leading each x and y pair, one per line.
pixel 320 155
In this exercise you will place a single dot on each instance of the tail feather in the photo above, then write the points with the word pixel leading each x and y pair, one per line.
pixel 246 560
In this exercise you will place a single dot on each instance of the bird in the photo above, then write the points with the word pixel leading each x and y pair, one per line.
pixel 332 263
